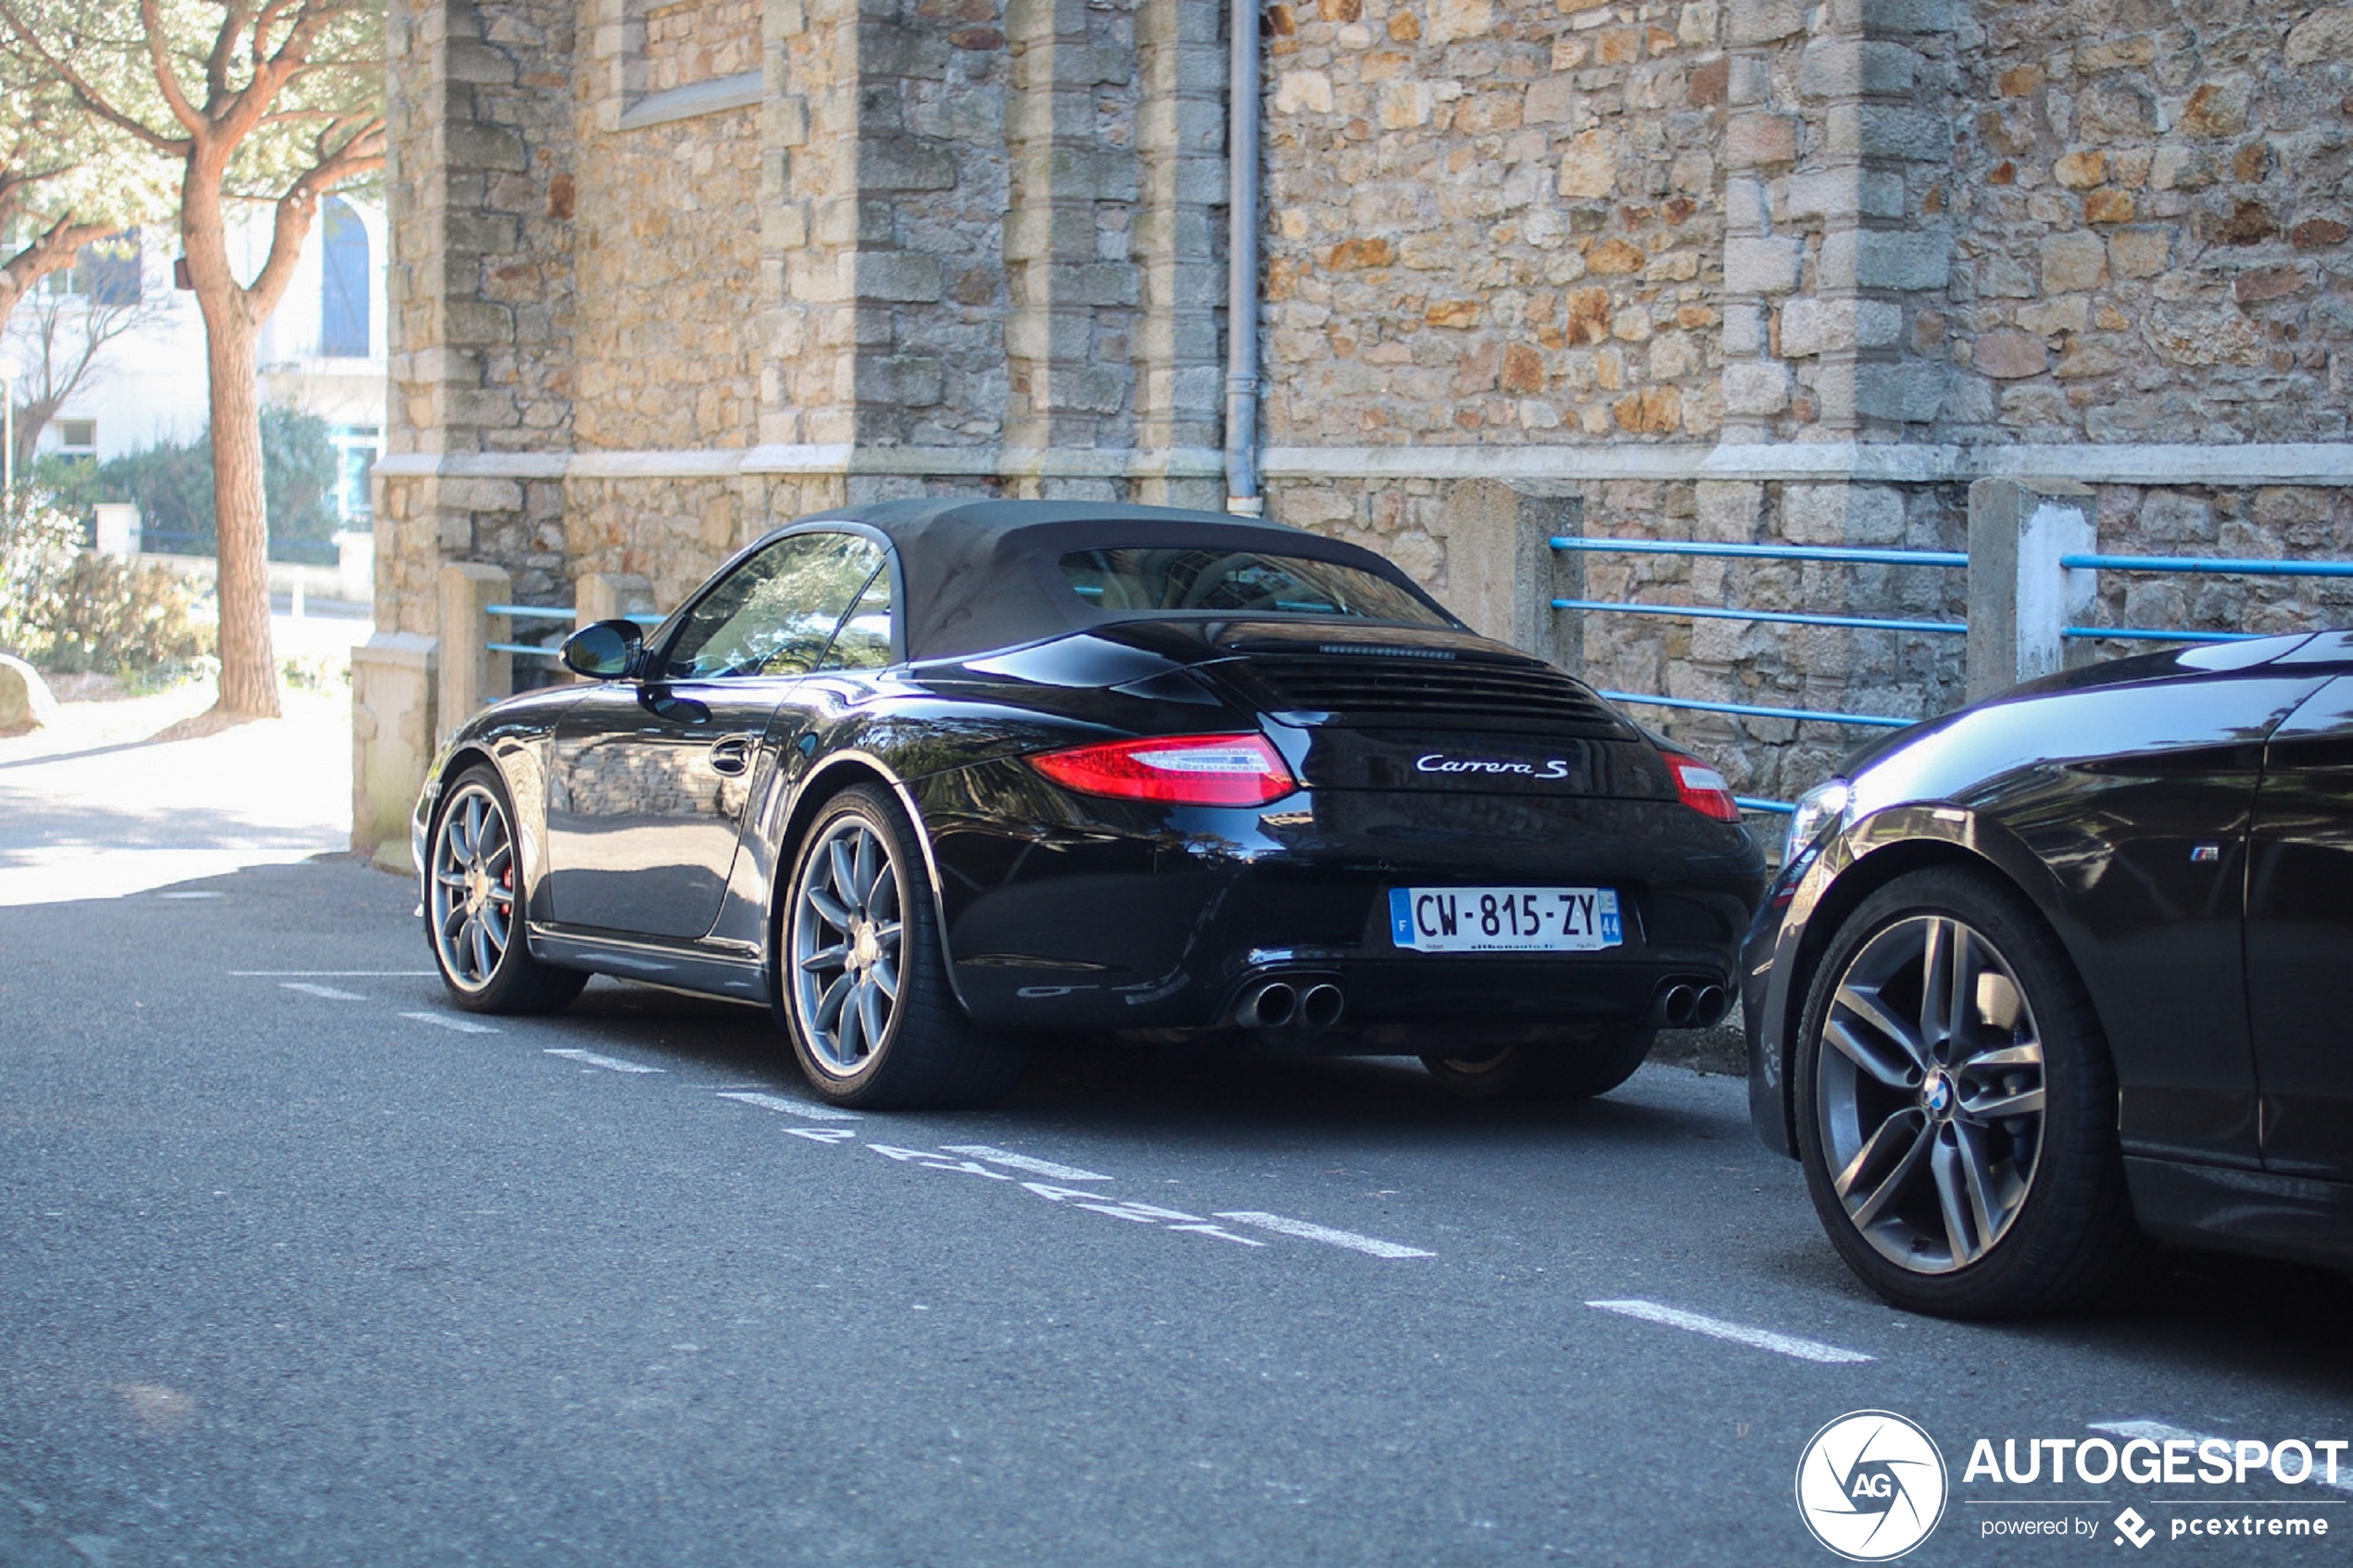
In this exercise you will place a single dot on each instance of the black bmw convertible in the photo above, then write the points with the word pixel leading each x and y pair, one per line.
pixel 929 778
pixel 2069 969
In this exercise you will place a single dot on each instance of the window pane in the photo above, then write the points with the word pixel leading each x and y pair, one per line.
pixel 1238 581
pixel 863 642
pixel 108 269
pixel 774 614
pixel 343 284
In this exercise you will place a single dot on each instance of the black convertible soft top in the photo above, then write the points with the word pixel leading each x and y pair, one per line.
pixel 978 575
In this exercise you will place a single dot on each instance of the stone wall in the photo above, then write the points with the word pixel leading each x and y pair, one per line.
pixel 696 40
pixel 1494 220
pixel 666 250
pixel 2155 208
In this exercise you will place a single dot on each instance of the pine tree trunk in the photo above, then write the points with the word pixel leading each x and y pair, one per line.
pixel 249 662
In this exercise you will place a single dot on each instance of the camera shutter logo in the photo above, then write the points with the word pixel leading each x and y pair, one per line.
pixel 1871 1486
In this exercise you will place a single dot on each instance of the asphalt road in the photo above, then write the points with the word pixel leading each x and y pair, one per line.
pixel 298 1266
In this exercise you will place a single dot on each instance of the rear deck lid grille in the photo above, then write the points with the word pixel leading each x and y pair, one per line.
pixel 1422 688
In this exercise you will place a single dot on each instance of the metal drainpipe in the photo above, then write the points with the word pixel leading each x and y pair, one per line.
pixel 1242 263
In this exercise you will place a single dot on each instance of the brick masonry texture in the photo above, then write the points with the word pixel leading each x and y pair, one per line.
pixel 994 229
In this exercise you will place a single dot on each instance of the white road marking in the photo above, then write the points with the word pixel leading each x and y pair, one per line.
pixel 791 1106
pixel 823 1135
pixel 2160 1432
pixel 1739 1334
pixel 1137 1213
pixel 1373 1246
pixel 192 894
pixel 931 1160
pixel 329 992
pixel 461 1025
pixel 1030 1163
pixel 327 974
pixel 610 1064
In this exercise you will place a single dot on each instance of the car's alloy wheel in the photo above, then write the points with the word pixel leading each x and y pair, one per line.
pixel 846 937
pixel 1929 1097
pixel 1956 1107
pixel 473 886
pixel 473 905
pixel 863 979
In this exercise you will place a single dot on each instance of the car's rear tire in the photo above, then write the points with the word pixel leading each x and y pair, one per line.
pixel 863 973
pixel 1573 1069
pixel 474 896
pixel 1956 1106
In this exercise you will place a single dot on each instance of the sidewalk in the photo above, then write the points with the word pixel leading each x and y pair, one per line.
pixel 126 795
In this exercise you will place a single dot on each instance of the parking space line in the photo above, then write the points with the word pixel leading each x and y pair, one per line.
pixel 789 1107
pixel 1739 1334
pixel 328 974
pixel 1371 1245
pixel 610 1064
pixel 450 1022
pixel 1012 1161
pixel 329 992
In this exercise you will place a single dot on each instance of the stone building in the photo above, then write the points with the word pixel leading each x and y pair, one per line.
pixel 667 273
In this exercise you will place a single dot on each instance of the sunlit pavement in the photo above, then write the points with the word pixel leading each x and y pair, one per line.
pixel 96 805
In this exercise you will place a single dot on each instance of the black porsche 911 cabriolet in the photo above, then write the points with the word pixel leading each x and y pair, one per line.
pixel 929 777
pixel 2071 968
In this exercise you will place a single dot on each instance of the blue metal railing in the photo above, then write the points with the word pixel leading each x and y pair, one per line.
pixel 549 612
pixel 1852 554
pixel 1860 555
pixel 1844 555
pixel 2218 566
pixel 2213 565
pixel 1791 618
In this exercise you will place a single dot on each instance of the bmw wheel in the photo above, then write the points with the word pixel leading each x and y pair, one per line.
pixel 473 916
pixel 864 980
pixel 1956 1108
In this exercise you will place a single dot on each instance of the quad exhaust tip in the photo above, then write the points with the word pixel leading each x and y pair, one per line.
pixel 1279 1004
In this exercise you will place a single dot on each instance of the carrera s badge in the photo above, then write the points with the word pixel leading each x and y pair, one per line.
pixel 1438 762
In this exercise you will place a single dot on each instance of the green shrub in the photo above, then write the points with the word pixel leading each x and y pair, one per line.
pixel 171 483
pixel 67 609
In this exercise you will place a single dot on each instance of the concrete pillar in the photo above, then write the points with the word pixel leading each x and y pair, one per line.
pixel 355 565
pixel 2021 600
pixel 472 675
pixel 1502 572
pixel 391 740
pixel 117 528
pixel 609 596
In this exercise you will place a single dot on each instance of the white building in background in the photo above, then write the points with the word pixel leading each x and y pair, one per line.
pixel 323 351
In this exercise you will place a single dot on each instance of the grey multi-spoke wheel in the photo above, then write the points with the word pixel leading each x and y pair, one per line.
pixel 863 982
pixel 473 906
pixel 1956 1105
pixel 846 938
pixel 1929 1093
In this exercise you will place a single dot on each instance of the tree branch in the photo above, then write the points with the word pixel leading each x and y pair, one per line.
pixel 363 153
pixel 91 98
pixel 159 55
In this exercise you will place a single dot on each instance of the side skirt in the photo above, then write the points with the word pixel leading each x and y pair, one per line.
pixel 2255 1211
pixel 682 966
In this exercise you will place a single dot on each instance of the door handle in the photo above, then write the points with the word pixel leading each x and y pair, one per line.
pixel 731 754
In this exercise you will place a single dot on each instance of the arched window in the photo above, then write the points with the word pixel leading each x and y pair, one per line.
pixel 343 284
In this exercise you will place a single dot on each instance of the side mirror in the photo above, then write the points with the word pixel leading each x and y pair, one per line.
pixel 604 651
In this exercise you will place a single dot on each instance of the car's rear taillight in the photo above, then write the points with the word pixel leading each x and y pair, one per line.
pixel 1181 770
pixel 1703 789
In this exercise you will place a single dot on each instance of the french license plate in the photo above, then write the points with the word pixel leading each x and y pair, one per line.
pixel 1504 920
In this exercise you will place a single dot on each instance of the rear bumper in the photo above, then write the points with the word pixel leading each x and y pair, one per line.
pixel 1081 914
